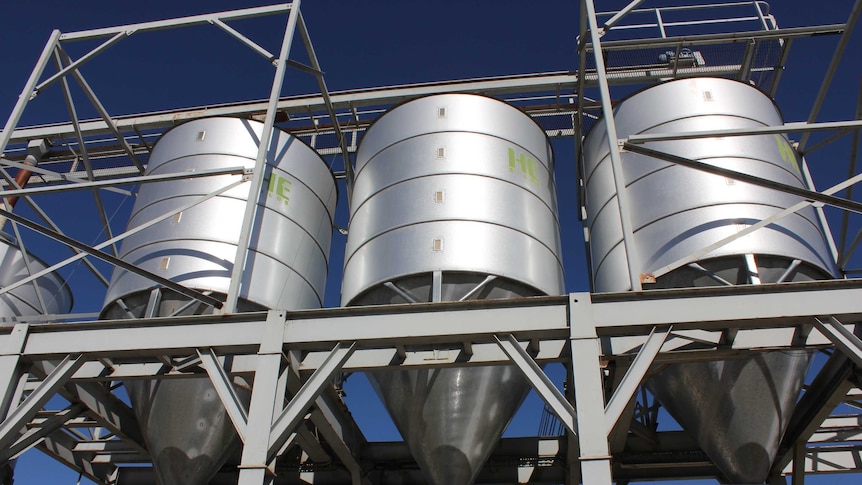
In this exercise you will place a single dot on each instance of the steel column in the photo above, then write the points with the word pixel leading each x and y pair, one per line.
pixel 614 149
pixel 250 215
pixel 27 92
pixel 254 467
pixel 830 71
pixel 594 456
pixel 10 357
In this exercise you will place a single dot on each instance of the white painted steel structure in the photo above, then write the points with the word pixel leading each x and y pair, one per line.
pixel 609 342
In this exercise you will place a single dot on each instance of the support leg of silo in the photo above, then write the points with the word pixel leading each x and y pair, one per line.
pixel 254 469
pixel 10 371
pixel 594 456
pixel 798 464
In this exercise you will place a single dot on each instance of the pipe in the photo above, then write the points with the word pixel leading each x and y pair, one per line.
pixel 36 150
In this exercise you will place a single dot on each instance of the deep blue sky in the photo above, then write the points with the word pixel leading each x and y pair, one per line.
pixel 362 44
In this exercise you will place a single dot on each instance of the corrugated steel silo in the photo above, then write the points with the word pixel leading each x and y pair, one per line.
pixel 188 433
pixel 676 211
pixel 454 199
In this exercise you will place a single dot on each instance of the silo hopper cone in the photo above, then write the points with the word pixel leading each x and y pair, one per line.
pixel 451 419
pixel 737 410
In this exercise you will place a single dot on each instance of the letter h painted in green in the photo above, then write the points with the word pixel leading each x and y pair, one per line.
pixel 525 165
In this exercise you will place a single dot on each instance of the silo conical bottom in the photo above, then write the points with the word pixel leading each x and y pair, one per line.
pixel 737 410
pixel 451 419
pixel 186 427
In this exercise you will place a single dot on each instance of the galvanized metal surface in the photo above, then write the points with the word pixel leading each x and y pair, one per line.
pixel 454 198
pixel 737 410
pixel 675 210
pixel 24 300
pixel 289 254
pixel 188 432
pixel 457 183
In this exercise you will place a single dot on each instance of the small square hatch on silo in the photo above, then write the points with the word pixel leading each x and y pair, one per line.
pixel 437 245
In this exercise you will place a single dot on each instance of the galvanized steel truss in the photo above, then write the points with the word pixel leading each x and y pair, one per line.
pixel 627 333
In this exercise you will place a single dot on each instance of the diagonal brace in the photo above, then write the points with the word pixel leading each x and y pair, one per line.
pixel 844 339
pixel 113 260
pixel 805 194
pixel 540 382
pixel 633 377
pixel 34 435
pixel 78 63
pixel 222 383
pixel 18 418
pixel 307 394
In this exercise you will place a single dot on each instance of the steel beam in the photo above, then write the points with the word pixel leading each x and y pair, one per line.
pixel 34 434
pixel 177 22
pixel 112 259
pixel 245 40
pixel 61 446
pixel 24 412
pixel 595 459
pixel 828 389
pixel 844 339
pixel 626 224
pixel 341 99
pixel 10 372
pixel 62 71
pixel 305 397
pixel 249 218
pixel 100 108
pixel 808 195
pixel 537 378
pixel 830 71
pixel 224 388
pixel 115 239
pixel 795 127
pixel 730 37
pixel 24 97
pixel 255 468
pixel 633 377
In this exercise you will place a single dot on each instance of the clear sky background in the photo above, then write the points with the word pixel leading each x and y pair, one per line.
pixel 361 44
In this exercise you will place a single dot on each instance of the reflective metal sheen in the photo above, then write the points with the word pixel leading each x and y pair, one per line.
pixel 24 300
pixel 188 433
pixel 736 409
pixel 454 198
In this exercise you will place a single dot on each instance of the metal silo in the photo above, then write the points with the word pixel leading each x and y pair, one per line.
pixel 676 211
pixel 454 199
pixel 188 433
pixel 24 300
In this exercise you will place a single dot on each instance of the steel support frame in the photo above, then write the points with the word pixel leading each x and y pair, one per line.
pixel 614 149
pixel 358 334
pixel 250 215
